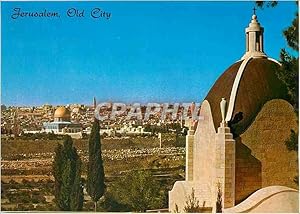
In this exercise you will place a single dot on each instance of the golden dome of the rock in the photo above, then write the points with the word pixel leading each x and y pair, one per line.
pixel 62 112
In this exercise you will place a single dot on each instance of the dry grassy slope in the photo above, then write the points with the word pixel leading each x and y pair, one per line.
pixel 262 158
pixel 19 146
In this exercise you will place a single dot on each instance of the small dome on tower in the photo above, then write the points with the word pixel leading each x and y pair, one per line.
pixel 254 39
pixel 247 84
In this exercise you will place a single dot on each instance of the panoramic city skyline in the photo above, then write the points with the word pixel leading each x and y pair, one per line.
pixel 144 52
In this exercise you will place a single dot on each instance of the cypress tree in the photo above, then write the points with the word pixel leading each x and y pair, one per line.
pixel 76 201
pixel 95 174
pixel 67 174
pixel 57 173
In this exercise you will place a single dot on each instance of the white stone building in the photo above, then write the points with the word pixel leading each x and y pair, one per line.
pixel 62 124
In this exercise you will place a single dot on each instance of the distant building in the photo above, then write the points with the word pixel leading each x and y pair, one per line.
pixel 62 124
pixel 3 108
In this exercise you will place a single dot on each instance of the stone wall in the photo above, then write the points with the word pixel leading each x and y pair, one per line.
pixel 204 147
pixel 278 199
pixel 262 158
pixel 202 157
pixel 189 156
pixel 225 166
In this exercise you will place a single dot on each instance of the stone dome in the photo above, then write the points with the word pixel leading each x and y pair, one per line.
pixel 62 112
pixel 257 85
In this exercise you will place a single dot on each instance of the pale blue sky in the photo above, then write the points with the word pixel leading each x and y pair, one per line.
pixel 146 52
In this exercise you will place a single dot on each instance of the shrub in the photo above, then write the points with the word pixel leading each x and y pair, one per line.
pixel 192 204
pixel 139 191
pixel 219 200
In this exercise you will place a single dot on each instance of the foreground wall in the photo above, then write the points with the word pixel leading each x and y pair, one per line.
pixel 203 172
pixel 262 158
pixel 270 199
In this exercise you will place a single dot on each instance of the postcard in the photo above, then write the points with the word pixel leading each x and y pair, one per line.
pixel 150 106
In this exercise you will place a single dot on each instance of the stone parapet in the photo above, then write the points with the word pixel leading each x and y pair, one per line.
pixel 225 165
pixel 189 156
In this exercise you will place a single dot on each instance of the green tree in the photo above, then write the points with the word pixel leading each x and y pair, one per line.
pixel 139 191
pixel 110 204
pixel 292 145
pixel 67 171
pixel 292 142
pixel 76 202
pixel 267 3
pixel 95 173
pixel 288 72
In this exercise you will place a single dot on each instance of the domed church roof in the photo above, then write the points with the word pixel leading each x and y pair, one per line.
pixel 62 112
pixel 258 85
pixel 247 84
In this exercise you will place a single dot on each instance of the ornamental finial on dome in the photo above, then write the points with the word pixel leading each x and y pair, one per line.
pixel 254 39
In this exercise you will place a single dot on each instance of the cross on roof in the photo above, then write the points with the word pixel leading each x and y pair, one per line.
pixel 254 9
